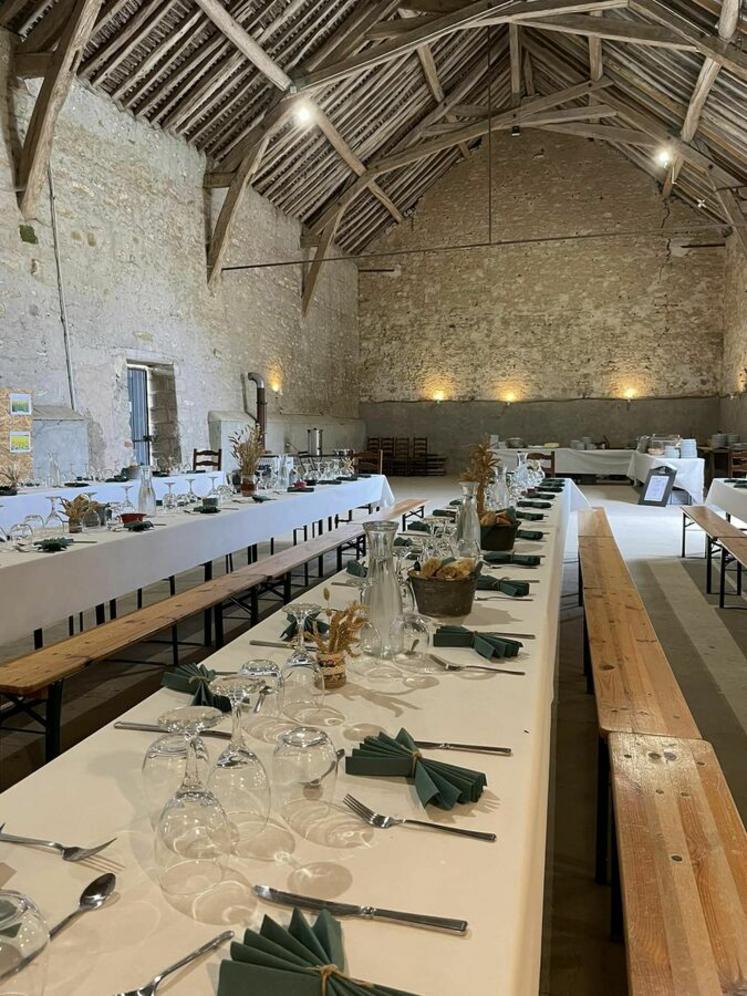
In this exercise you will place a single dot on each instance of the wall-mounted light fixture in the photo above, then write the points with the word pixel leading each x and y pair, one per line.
pixel 439 396
pixel 277 388
pixel 629 394
pixel 509 397
pixel 515 131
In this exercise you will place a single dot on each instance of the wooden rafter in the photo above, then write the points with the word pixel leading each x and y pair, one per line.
pixel 613 28
pixel 727 25
pixel 61 69
pixel 311 277
pixel 514 48
pixel 734 214
pixel 607 133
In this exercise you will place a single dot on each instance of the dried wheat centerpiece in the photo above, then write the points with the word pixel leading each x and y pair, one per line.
pixel 248 446
pixel 334 646
pixel 497 528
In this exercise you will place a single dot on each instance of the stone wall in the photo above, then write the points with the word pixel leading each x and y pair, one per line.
pixel 131 216
pixel 734 386
pixel 549 320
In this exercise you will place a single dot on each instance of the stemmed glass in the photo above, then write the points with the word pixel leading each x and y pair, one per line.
pixel 127 505
pixel 21 535
pixel 191 496
pixel 303 682
pixel 24 939
pixel 239 779
pixel 193 833
pixel 54 524
pixel 163 770
pixel 214 492
pixel 169 499
pixel 300 613
pixel 411 635
pixel 37 525
pixel 269 680
pixel 304 773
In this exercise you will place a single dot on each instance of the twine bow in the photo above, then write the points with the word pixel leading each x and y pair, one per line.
pixel 327 971
pixel 416 756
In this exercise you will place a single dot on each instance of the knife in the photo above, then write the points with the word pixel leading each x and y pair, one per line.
pixel 367 912
pixel 152 728
pixel 475 748
pixel 279 644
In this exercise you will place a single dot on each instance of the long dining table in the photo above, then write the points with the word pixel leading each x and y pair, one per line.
pixel 94 791
pixel 39 589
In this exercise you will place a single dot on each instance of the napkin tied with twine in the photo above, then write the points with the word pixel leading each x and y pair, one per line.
pixel 443 785
pixel 507 557
pixel 530 534
pixel 530 516
pixel 300 960
pixel 194 679
pixel 527 503
pixel 313 622
pixel 488 645
pixel 509 586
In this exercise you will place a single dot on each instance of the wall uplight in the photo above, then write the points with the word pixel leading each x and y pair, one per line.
pixel 303 115
pixel 276 388
pixel 629 393
pixel 439 396
pixel 663 157
pixel 509 397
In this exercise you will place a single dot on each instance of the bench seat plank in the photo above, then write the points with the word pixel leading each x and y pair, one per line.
pixel 711 522
pixel 593 522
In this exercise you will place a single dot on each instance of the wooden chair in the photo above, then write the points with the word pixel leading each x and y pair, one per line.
pixel 401 462
pixel 419 458
pixel 545 460
pixel 373 443
pixel 387 449
pixel 207 458
pixel 737 465
pixel 369 462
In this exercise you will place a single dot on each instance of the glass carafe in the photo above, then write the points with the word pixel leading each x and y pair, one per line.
pixel 382 597
pixel 146 498
pixel 521 474
pixel 468 522
pixel 500 489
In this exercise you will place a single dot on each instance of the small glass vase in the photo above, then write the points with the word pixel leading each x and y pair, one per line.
pixel 468 522
pixel 248 484
pixel 146 496
pixel 334 669
pixel 382 596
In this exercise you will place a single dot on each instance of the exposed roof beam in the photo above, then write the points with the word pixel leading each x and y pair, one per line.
pixel 615 29
pixel 736 217
pixel 529 75
pixel 9 9
pixel 311 277
pixel 608 133
pixel 596 60
pixel 725 53
pixel 245 43
pixel 37 145
pixel 514 48
pixel 474 14
pixel 396 28
pixel 46 31
pixel 727 25
pixel 351 34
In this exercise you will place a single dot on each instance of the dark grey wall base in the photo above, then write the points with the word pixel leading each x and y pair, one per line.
pixel 452 426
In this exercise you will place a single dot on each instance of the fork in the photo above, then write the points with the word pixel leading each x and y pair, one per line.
pixel 150 987
pixel 448 666
pixel 385 822
pixel 68 853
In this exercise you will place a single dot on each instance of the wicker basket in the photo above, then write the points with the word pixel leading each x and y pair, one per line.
pixel 436 597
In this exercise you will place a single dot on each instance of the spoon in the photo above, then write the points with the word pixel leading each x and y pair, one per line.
pixel 94 895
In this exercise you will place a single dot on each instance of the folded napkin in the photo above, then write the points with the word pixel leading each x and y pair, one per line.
pixel 489 645
pixel 530 516
pixel 442 784
pixel 300 491
pixel 402 541
pixel 509 586
pixel 448 513
pixel 312 622
pixel 549 494
pixel 530 534
pixel 261 498
pixel 299 960
pixel 534 504
pixel 356 568
pixel 419 527
pixel 454 502
pixel 556 482
pixel 505 557
pixel 53 544
pixel 194 679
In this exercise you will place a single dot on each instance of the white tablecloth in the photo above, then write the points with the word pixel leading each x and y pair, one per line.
pixel 94 791
pixel 569 461
pixel 728 498
pixel 690 473
pixel 38 589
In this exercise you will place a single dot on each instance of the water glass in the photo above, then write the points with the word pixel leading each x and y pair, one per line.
pixel 24 939
pixel 163 770
pixel 411 635
pixel 304 774
pixel 37 526
pixel 21 535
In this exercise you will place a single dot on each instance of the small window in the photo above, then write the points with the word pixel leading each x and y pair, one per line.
pixel 154 427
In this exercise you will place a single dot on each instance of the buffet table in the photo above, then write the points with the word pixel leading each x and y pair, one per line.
pixel 39 589
pixel 690 472
pixel 94 791
pixel 722 494
pixel 570 461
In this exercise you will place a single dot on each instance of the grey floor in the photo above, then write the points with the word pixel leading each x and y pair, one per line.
pixel 705 646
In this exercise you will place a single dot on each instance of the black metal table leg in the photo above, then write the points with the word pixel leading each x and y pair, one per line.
pixel 253 607
pixel 587 657
pixel 603 812
pixel 709 564
pixel 684 523
pixel 287 594
pixel 339 558
pixel 100 614
pixel 112 608
pixel 207 615
pixel 39 639
pixel 53 721
pixel 218 618
pixel 722 581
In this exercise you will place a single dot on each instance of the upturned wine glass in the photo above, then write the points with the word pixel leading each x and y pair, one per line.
pixel 193 835
pixel 24 940
pixel 127 506
pixel 163 770
pixel 54 523
pixel 170 502
pixel 304 774
pixel 239 779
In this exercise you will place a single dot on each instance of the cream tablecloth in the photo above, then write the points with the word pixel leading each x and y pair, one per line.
pixel 728 498
pixel 39 589
pixel 93 792
pixel 569 461
pixel 690 473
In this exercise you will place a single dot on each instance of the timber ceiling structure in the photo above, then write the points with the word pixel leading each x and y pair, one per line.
pixel 344 112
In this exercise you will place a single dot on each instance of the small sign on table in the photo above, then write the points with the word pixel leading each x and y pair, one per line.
pixel 658 487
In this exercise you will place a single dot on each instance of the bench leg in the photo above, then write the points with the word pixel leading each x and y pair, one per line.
pixel 101 614
pixel 684 520
pixel 739 578
pixel 616 910
pixel 722 581
pixel 53 719
pixel 587 658
pixel 207 615
pixel 218 619
pixel 172 585
pixel 175 645
pixel 709 565
pixel 287 594
pixel 253 607
pixel 339 558
pixel 39 639
pixel 603 813
pixel 112 608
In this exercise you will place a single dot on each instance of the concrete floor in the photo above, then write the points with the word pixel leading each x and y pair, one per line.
pixel 704 646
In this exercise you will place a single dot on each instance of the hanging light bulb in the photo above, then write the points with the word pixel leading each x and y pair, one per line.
pixel 663 157
pixel 303 115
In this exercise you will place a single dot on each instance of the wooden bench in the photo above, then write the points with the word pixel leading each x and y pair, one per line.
pixel 593 522
pixel 733 550
pixel 683 868
pixel 408 508
pixel 601 565
pixel 714 526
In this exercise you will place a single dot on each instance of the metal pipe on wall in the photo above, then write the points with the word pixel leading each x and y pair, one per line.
pixel 261 416
pixel 61 292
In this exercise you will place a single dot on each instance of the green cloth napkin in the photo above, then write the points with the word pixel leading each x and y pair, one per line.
pixel 357 569
pixel 530 516
pixel 442 784
pixel 280 961
pixel 419 527
pixel 454 502
pixel 505 557
pixel 549 495
pixel 194 679
pixel 530 534
pixel 402 541
pixel 312 622
pixel 448 513
pixel 489 645
pixel 509 586
pixel 300 491
pixel 261 498
pixel 534 504
pixel 53 544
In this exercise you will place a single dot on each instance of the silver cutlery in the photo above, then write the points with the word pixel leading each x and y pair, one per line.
pixel 502 598
pixel 150 987
pixel 279 644
pixel 92 897
pixel 68 853
pixel 470 748
pixel 448 666
pixel 153 728
pixel 367 912
pixel 386 822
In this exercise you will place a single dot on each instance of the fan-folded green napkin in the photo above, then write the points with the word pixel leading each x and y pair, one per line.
pixel 194 679
pixel 299 960
pixel 509 586
pixel 487 644
pixel 506 557
pixel 454 502
pixel 548 494
pixel 357 569
pixel 419 527
pixel 447 513
pixel 740 485
pixel 534 504
pixel 312 623
pixel 402 541
pixel 530 516
pixel 261 498
pixel 442 784
pixel 530 534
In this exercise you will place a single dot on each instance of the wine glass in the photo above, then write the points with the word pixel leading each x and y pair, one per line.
pixel 411 635
pixel 300 613
pixel 191 496
pixel 269 678
pixel 24 939
pixel 37 525
pixel 239 779
pixel 214 491
pixel 169 499
pixel 54 523
pixel 114 520
pixel 21 535
pixel 127 506
pixel 304 774
pixel 163 770
pixel 193 833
